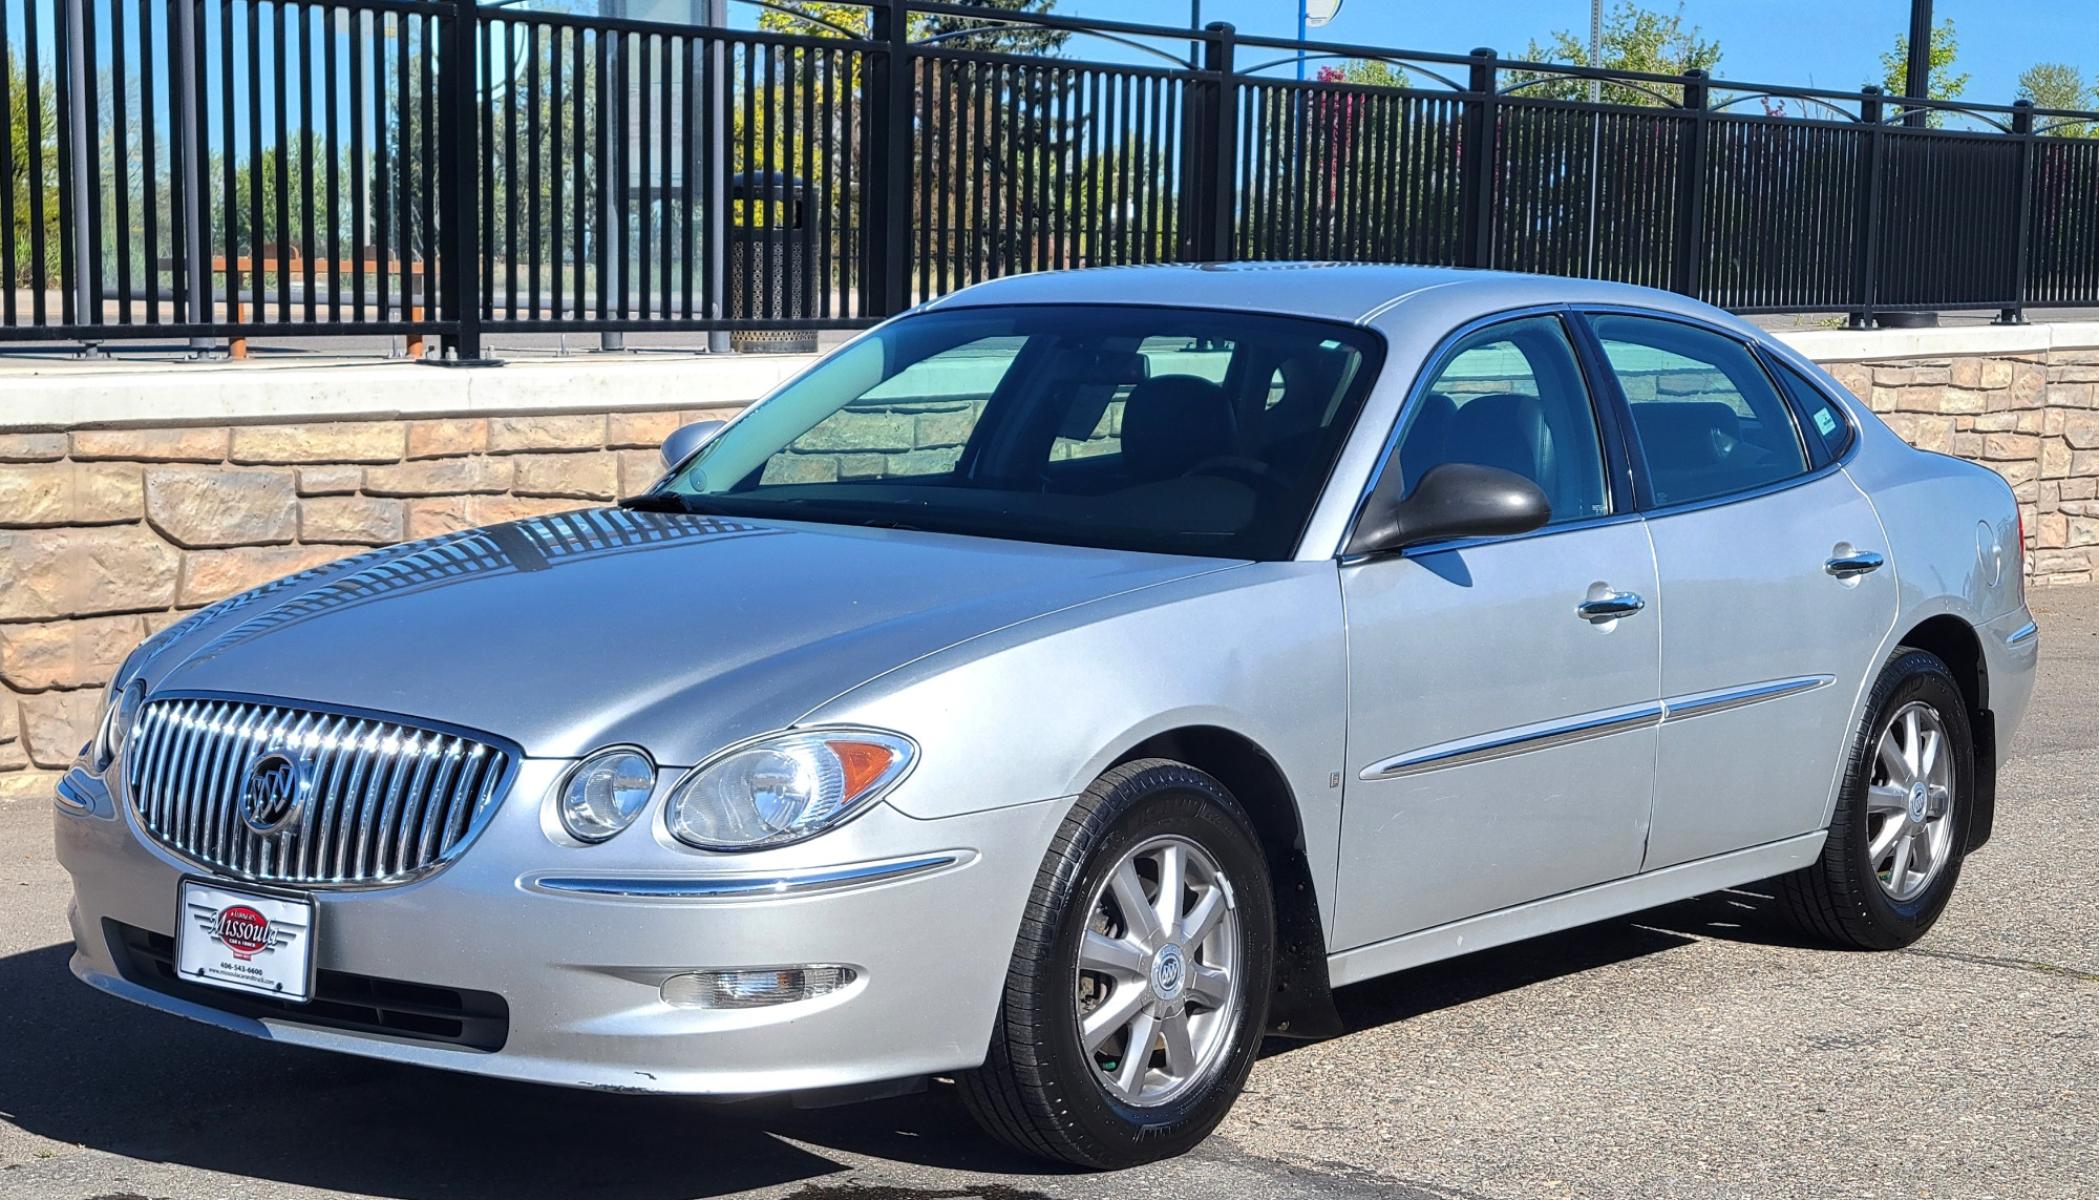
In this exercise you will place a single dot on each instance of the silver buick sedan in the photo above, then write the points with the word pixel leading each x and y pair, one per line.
pixel 1064 685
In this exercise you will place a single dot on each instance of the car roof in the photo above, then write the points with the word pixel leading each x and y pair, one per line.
pixel 1406 300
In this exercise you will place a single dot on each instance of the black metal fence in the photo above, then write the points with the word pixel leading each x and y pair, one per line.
pixel 233 168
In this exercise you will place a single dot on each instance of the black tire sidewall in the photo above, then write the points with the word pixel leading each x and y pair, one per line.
pixel 1913 675
pixel 1161 801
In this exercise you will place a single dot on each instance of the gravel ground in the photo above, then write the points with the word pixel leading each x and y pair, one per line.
pixel 1692 1051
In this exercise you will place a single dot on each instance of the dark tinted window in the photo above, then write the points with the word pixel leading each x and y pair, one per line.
pixel 1706 417
pixel 1821 418
pixel 1512 396
pixel 1180 431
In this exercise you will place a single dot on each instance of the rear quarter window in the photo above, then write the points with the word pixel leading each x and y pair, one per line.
pixel 1828 431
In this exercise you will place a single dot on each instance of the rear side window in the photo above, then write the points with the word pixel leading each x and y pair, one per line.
pixel 1708 421
pixel 1827 430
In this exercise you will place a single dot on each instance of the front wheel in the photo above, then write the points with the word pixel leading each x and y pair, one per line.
pixel 1139 985
pixel 1900 826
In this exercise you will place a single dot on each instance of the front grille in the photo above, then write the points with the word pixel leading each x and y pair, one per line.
pixel 379 801
pixel 341 999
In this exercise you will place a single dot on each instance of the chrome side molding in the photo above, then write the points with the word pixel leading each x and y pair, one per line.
pixel 747 886
pixel 1524 739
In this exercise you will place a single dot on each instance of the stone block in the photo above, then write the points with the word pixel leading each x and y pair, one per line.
pixel 431 517
pixel 1933 433
pixel 2029 384
pixel 1856 378
pixel 801 468
pixel 449 437
pixel 439 477
pixel 2001 446
pixel 592 476
pixel 638 470
pixel 32 447
pixel 330 481
pixel 2081 430
pixel 511 435
pixel 320 442
pixel 197 507
pixel 203 444
pixel 2055 458
pixel 850 429
pixel 1996 422
pixel 2079 489
pixel 63 493
pixel 945 428
pixel 1961 400
pixel 2051 531
pixel 55 725
pixel 353 520
pixel 1911 375
pixel 54 574
pixel 640 430
pixel 494 510
pixel 210 575
pixel 35 787
pixel 1996 373
pixel 67 654
pixel 2072 395
pixel 2084 531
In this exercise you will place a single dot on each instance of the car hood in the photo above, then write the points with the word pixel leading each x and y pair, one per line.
pixel 675 632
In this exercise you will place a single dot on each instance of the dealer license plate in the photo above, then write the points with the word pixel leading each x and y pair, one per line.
pixel 245 940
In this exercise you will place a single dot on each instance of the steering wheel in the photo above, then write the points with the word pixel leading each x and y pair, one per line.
pixel 1240 469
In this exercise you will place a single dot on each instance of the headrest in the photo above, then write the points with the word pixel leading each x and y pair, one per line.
pixel 1172 422
pixel 1504 430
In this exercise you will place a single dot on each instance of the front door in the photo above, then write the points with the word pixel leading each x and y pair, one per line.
pixel 1502 693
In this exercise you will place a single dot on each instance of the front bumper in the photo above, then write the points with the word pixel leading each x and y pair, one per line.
pixel 577 942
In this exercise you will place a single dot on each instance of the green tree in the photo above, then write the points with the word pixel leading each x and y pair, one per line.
pixel 1635 38
pixel 1369 72
pixel 21 186
pixel 1943 83
pixel 2059 85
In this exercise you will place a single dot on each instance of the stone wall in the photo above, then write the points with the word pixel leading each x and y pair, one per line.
pixel 109 533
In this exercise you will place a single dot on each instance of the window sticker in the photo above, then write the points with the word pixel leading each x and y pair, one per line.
pixel 1825 421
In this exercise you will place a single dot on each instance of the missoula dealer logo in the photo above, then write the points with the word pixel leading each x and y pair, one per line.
pixel 244 931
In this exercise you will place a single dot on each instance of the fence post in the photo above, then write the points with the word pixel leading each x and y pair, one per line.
pixel 2022 212
pixel 889 157
pixel 1690 186
pixel 81 170
pixel 715 203
pixel 459 281
pixel 1218 228
pixel 1866 221
pixel 1476 176
pixel 196 223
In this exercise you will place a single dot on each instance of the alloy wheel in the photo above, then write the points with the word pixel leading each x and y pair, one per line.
pixel 1909 803
pixel 1158 983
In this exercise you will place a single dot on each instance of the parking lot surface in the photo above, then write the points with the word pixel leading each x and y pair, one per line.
pixel 1698 1050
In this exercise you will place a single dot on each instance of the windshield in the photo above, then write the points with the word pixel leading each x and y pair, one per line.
pixel 1164 430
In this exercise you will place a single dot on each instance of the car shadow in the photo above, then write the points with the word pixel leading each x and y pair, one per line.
pixel 80 1067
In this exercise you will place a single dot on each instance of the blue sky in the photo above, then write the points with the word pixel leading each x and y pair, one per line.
pixel 1826 43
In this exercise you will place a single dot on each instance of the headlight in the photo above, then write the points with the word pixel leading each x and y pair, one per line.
pixel 786 787
pixel 118 715
pixel 603 794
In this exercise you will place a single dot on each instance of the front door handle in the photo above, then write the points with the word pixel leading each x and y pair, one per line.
pixel 1853 564
pixel 1609 607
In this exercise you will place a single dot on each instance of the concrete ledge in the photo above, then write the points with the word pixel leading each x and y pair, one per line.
pixel 1875 345
pixel 66 396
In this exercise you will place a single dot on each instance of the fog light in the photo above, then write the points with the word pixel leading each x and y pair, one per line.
pixel 754 988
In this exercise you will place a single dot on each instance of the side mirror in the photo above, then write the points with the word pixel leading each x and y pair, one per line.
pixel 687 439
pixel 1454 500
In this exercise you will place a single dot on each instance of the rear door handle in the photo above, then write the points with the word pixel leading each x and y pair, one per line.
pixel 1609 607
pixel 1857 562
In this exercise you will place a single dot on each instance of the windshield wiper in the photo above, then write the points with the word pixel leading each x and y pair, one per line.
pixel 664 502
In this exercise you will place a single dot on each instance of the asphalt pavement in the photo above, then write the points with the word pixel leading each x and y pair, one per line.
pixel 1693 1051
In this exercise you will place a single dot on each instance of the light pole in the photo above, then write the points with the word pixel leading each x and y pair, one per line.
pixel 1918 82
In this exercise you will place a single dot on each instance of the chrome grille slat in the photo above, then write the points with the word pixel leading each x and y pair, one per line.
pixel 386 800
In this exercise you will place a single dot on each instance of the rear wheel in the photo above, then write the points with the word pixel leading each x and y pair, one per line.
pixel 1895 840
pixel 1139 986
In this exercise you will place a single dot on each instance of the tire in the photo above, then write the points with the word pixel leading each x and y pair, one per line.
pixel 1851 897
pixel 1041 1090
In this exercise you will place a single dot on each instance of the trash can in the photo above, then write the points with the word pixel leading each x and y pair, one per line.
pixel 769 253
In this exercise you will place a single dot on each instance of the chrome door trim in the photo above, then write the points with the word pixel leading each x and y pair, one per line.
pixel 1854 564
pixel 1506 743
pixel 746 886
pixel 1509 742
pixel 2024 633
pixel 1701 704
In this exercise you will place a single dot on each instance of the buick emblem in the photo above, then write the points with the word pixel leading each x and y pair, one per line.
pixel 271 791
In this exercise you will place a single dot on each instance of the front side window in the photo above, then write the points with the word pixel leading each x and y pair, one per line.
pixel 1512 396
pixel 1171 430
pixel 1706 417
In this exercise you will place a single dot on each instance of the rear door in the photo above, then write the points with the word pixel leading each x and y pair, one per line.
pixel 1774 589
